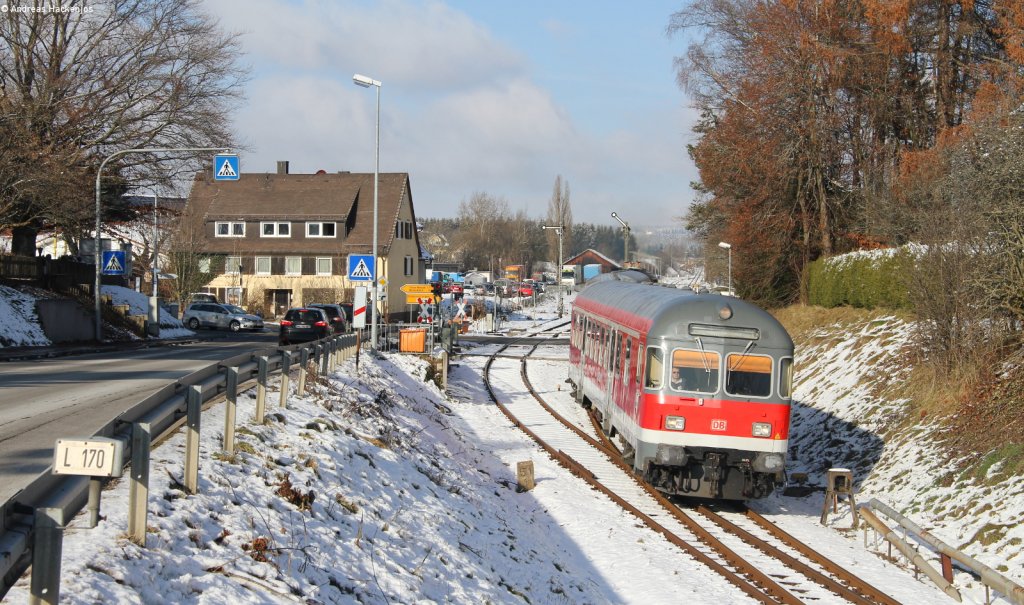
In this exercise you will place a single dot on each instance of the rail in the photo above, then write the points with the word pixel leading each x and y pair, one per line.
pixel 32 520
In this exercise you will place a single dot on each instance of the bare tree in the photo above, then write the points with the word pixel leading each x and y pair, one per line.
pixel 79 83
pixel 192 268
pixel 560 213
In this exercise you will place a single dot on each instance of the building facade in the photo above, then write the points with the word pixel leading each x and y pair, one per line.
pixel 275 241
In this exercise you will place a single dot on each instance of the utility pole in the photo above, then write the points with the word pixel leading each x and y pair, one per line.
pixel 559 229
pixel 625 238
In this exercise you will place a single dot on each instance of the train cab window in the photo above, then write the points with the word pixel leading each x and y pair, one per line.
pixel 655 367
pixel 786 378
pixel 695 371
pixel 748 375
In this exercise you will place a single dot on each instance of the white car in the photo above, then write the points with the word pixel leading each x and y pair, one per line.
pixel 215 315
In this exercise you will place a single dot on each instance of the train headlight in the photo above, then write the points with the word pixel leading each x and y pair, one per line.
pixel 762 429
pixel 725 312
pixel 675 423
pixel 769 462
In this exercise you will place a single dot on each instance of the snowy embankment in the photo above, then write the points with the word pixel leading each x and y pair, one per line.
pixel 841 420
pixel 19 326
pixel 170 326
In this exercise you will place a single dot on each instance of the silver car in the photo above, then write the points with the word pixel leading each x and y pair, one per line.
pixel 214 315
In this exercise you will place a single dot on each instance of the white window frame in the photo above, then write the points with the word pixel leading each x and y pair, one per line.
pixel 231 228
pixel 320 225
pixel 292 258
pixel 231 268
pixel 204 265
pixel 330 265
pixel 269 262
pixel 277 228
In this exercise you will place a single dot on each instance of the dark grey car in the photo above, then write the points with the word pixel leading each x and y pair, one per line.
pixel 213 315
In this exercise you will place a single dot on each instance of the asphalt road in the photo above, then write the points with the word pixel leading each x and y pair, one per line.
pixel 43 400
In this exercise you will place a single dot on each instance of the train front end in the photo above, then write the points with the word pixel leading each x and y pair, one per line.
pixel 715 412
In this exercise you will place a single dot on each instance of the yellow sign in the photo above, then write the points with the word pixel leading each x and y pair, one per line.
pixel 421 299
pixel 418 289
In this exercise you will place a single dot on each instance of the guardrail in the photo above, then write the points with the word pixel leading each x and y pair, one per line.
pixel 32 521
pixel 944 580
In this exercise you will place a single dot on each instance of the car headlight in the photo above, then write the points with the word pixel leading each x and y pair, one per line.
pixel 762 429
pixel 675 423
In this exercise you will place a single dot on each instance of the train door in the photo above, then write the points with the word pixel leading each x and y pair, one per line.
pixel 616 369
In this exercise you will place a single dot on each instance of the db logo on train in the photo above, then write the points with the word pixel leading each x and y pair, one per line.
pixel 718 425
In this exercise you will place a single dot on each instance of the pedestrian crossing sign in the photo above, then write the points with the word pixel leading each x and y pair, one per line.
pixel 113 262
pixel 360 267
pixel 225 167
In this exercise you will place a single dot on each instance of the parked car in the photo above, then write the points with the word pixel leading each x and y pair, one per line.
pixel 303 324
pixel 347 308
pixel 214 315
pixel 198 297
pixel 336 316
pixel 525 290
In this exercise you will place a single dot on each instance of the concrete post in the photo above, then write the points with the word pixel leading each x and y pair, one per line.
pixel 262 364
pixel 46 554
pixel 194 403
pixel 231 396
pixel 93 505
pixel 286 364
pixel 325 359
pixel 139 487
pixel 303 360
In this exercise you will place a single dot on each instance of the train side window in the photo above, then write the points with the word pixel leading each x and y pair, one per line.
pixel 628 360
pixel 616 352
pixel 655 367
pixel 695 371
pixel 748 375
pixel 786 378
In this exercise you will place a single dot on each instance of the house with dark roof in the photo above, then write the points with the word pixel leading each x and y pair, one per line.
pixel 282 240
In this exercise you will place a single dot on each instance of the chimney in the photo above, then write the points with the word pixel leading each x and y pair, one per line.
pixel 282 167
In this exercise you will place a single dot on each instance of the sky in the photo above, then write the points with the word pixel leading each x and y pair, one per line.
pixel 476 97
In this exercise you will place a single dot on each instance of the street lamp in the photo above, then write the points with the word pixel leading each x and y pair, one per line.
pixel 558 273
pixel 366 82
pixel 97 254
pixel 625 238
pixel 728 247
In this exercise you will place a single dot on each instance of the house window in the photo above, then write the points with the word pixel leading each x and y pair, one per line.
pixel 403 230
pixel 293 265
pixel 320 229
pixel 229 229
pixel 262 265
pixel 408 265
pixel 323 266
pixel 275 229
pixel 232 264
pixel 204 265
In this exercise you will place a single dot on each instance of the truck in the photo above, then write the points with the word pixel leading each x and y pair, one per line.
pixel 590 272
pixel 515 272
pixel 570 276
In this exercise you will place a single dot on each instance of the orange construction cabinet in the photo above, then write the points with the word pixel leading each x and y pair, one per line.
pixel 413 340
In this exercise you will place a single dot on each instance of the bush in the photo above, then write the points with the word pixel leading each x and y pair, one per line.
pixel 865 280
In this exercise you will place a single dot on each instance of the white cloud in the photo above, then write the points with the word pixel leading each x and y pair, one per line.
pixel 459 111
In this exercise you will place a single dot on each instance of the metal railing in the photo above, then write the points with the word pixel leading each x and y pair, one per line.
pixel 944 580
pixel 32 521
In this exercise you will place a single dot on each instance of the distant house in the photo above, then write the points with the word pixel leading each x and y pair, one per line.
pixel 282 240
pixel 593 257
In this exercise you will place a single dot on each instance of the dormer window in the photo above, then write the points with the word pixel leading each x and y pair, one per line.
pixel 229 229
pixel 268 229
pixel 320 229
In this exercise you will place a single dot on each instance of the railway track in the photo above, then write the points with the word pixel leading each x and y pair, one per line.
pixel 754 555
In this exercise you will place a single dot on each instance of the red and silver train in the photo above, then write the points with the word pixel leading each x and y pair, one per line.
pixel 697 387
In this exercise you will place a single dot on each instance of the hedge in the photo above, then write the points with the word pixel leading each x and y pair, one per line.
pixel 866 280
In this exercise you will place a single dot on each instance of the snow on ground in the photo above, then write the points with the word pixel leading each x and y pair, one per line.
pixel 170 326
pixel 374 487
pixel 19 325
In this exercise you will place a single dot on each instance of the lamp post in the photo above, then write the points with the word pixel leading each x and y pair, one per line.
pixel 728 247
pixel 625 238
pixel 97 254
pixel 558 273
pixel 366 82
